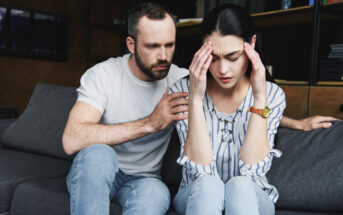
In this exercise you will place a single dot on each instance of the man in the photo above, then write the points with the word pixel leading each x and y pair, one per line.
pixel 122 121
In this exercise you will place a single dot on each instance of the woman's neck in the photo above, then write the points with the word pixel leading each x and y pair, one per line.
pixel 228 100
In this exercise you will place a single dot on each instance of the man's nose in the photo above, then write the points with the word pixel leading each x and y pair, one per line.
pixel 162 55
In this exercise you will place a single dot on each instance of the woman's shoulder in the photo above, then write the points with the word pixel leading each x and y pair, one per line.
pixel 275 94
pixel 273 88
pixel 181 85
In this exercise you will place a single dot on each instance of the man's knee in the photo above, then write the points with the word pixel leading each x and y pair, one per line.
pixel 99 155
pixel 150 195
pixel 155 190
pixel 94 163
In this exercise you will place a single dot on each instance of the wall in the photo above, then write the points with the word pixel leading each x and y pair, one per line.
pixel 18 76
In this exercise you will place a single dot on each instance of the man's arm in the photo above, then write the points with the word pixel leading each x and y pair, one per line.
pixel 83 127
pixel 307 124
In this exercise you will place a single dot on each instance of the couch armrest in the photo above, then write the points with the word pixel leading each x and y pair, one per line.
pixel 4 123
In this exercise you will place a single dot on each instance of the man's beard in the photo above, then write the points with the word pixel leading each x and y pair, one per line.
pixel 147 70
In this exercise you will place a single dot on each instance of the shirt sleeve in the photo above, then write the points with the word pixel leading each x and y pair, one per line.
pixel 277 104
pixel 94 88
pixel 193 169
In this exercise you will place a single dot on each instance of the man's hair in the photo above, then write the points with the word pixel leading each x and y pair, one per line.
pixel 153 11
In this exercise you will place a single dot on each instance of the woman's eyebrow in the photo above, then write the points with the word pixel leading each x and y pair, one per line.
pixel 235 52
pixel 230 54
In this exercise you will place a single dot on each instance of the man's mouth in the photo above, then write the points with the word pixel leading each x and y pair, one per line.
pixel 161 67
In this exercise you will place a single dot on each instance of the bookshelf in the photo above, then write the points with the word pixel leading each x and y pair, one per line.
pixel 294 42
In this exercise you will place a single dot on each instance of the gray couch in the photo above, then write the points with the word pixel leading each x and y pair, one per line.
pixel 33 165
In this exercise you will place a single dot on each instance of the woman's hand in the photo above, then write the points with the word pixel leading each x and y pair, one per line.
pixel 197 71
pixel 258 74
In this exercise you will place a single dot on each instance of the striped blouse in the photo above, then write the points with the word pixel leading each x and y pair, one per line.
pixel 227 132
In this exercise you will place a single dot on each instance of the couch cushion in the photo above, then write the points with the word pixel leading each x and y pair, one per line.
pixel 282 212
pixel 309 175
pixel 4 123
pixel 171 171
pixel 40 128
pixel 47 196
pixel 17 167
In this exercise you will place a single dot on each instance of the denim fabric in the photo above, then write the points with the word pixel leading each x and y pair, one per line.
pixel 95 179
pixel 210 195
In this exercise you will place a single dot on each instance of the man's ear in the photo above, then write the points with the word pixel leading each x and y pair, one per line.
pixel 130 42
pixel 253 41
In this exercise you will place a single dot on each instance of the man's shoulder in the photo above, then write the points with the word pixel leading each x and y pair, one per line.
pixel 175 68
pixel 176 73
pixel 107 68
pixel 111 63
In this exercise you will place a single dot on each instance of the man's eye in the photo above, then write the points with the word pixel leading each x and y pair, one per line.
pixel 151 46
pixel 170 45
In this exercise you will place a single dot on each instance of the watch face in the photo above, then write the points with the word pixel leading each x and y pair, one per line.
pixel 266 112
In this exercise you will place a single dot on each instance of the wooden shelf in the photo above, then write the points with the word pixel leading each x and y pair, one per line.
pixel 330 83
pixel 274 18
pixel 279 81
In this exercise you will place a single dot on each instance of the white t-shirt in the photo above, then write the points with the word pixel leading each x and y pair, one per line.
pixel 112 89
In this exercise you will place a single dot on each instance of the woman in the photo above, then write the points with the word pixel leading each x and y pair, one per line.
pixel 227 141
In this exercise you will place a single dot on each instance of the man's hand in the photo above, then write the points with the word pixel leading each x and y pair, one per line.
pixel 167 110
pixel 316 122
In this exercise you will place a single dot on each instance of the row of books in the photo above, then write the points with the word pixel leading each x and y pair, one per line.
pixel 336 51
pixel 331 69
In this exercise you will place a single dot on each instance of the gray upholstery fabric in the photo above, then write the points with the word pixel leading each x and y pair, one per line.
pixel 39 129
pixel 17 167
pixel 47 196
pixel 4 123
pixel 309 175
pixel 303 213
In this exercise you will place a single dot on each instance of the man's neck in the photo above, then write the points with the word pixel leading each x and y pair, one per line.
pixel 136 71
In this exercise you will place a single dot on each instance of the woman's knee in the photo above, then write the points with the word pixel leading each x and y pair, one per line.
pixel 208 187
pixel 240 184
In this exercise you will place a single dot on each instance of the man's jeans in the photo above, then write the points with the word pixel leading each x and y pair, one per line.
pixel 95 179
pixel 209 195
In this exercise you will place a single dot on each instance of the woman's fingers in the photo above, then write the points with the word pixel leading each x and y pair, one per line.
pixel 206 65
pixel 200 58
pixel 196 56
pixel 252 55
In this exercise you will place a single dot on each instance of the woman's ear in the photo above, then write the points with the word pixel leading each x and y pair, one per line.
pixel 130 43
pixel 253 41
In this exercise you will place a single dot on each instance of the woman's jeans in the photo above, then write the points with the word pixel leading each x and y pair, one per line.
pixel 95 179
pixel 209 195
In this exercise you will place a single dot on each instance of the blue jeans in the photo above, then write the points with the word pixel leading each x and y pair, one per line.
pixel 94 180
pixel 209 195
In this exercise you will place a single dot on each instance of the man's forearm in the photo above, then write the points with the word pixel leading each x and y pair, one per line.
pixel 287 122
pixel 80 135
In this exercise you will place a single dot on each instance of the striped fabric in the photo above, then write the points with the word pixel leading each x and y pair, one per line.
pixel 227 132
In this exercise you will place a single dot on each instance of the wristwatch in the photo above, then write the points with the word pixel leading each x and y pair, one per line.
pixel 262 112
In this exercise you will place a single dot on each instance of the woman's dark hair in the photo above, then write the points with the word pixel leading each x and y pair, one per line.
pixel 230 19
